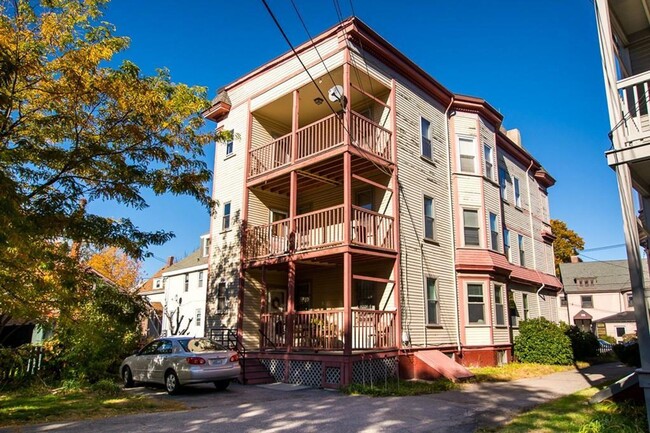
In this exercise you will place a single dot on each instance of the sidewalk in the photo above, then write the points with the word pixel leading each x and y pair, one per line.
pixel 256 409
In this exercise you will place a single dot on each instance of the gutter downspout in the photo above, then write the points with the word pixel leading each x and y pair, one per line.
pixel 453 231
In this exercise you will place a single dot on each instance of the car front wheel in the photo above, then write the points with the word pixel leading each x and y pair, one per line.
pixel 127 377
pixel 221 384
pixel 172 384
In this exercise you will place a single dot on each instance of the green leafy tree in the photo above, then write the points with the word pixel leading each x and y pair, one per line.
pixel 542 342
pixel 74 128
pixel 567 243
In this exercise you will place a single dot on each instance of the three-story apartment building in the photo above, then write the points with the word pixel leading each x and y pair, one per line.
pixel 367 212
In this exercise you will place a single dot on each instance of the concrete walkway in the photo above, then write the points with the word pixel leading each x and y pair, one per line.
pixel 257 409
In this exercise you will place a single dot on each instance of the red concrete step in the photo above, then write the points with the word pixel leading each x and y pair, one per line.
pixel 440 364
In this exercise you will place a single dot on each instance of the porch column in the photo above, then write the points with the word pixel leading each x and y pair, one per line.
pixel 263 310
pixel 347 303
pixel 397 278
pixel 291 286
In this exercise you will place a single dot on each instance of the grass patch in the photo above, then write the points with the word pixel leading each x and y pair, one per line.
pixel 400 388
pixel 37 404
pixel 518 370
pixel 572 413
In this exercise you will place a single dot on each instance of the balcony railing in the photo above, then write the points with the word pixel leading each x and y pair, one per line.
pixel 320 229
pixel 372 228
pixel 319 137
pixel 323 329
pixel 635 94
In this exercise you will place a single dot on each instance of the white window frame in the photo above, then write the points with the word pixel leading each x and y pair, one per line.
pixel 158 283
pixel 525 306
pixel 197 317
pixel 436 300
pixel 499 306
pixel 482 302
pixel 507 247
pixel 494 231
pixel 427 138
pixel 503 183
pixel 517 189
pixel 488 155
pixel 221 297
pixel 200 280
pixel 460 155
pixel 225 220
pixel 186 283
pixel 521 246
pixel 478 227
pixel 230 144
pixel 425 218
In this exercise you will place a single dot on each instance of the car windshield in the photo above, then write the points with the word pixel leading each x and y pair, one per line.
pixel 197 345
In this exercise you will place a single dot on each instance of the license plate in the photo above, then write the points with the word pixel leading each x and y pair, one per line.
pixel 217 361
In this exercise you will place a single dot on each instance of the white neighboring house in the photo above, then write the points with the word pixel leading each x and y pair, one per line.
pixel 185 287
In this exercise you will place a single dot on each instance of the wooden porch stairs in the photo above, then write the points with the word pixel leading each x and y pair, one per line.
pixel 256 373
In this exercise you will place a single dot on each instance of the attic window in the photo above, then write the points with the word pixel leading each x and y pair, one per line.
pixel 585 282
pixel 158 283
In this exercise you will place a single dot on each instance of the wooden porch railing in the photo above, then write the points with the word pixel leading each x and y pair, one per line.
pixel 371 137
pixel 318 137
pixel 372 228
pixel 635 96
pixel 323 329
pixel 373 329
pixel 268 239
pixel 320 228
pixel 270 156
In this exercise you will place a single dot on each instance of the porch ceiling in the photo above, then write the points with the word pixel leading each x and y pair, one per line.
pixel 326 172
pixel 632 16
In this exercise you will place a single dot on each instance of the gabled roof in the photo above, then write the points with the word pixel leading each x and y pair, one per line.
pixel 625 316
pixel 583 315
pixel 195 258
pixel 609 276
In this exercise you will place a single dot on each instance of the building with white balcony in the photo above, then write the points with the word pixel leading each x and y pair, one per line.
pixel 368 213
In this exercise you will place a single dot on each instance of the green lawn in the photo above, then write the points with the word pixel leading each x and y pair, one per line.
pixel 400 388
pixel 37 404
pixel 572 413
pixel 518 370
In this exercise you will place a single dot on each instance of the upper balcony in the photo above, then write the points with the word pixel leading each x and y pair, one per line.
pixel 301 128
pixel 625 36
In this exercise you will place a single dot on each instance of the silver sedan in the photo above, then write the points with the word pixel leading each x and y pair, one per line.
pixel 178 361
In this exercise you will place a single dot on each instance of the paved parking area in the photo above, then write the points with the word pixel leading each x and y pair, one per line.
pixel 258 409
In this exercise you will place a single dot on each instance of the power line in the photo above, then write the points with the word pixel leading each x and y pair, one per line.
pixel 606 247
pixel 602 261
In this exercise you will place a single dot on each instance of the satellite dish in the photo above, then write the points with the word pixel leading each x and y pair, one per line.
pixel 335 93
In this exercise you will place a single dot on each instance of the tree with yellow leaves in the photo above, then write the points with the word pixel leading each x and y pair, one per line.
pixel 74 127
pixel 114 264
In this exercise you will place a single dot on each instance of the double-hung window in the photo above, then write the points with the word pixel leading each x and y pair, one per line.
pixel 425 133
pixel 503 183
pixel 586 301
pixel 429 219
pixel 475 303
pixel 499 311
pixel 187 282
pixel 226 216
pixel 467 152
pixel 198 317
pixel 489 164
pixel 522 250
pixel 221 297
pixel 200 284
pixel 506 244
pixel 524 300
pixel 230 144
pixel 471 228
pixel 432 301
pixel 517 192
pixel 494 232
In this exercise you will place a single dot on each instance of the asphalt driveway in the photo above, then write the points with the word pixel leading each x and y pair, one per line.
pixel 256 409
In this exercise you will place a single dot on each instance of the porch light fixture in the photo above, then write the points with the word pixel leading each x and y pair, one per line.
pixel 318 100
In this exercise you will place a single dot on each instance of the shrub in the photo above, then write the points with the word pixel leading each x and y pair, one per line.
pixel 542 342
pixel 628 353
pixel 584 344
pixel 106 387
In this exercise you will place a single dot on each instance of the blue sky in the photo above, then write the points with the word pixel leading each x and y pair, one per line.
pixel 538 63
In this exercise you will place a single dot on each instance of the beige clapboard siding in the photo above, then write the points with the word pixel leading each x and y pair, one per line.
pixel 278 74
pixel 477 335
pixel 261 203
pixel 491 191
pixel 283 85
pixel 419 177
